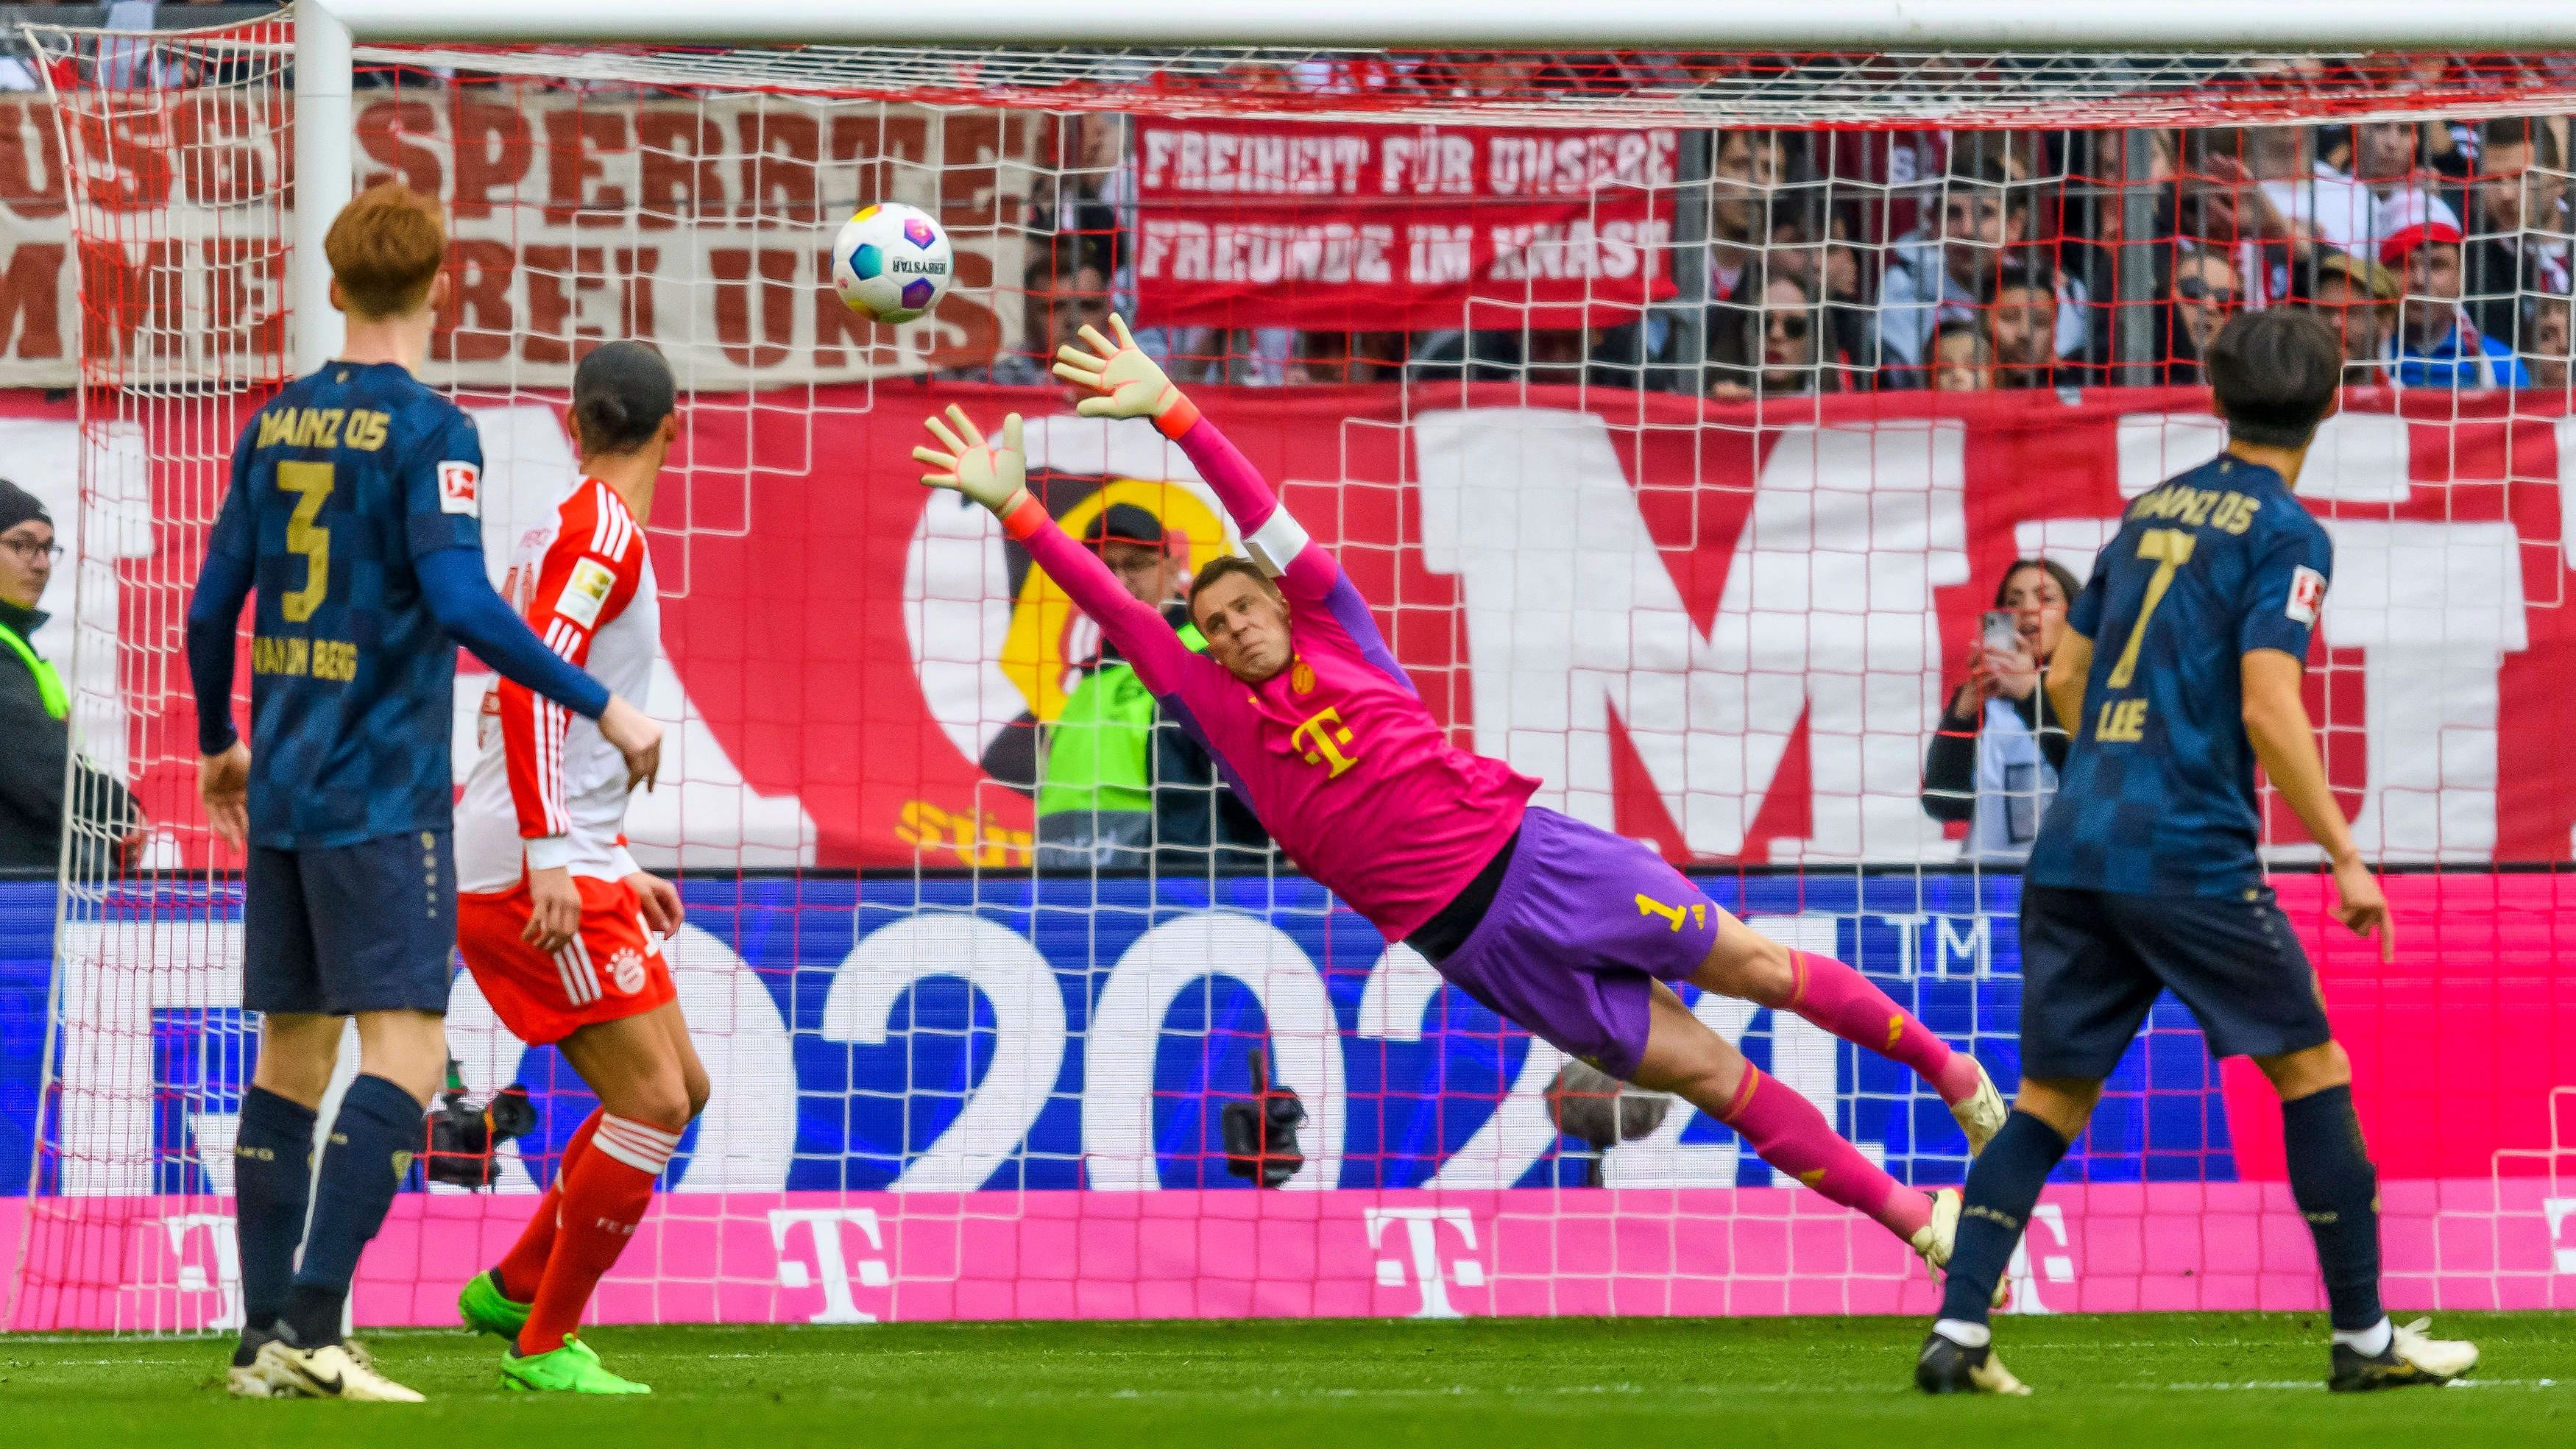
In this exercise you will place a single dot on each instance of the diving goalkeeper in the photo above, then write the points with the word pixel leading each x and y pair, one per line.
pixel 1573 932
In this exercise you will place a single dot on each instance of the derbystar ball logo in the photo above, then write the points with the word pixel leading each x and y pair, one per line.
pixel 929 269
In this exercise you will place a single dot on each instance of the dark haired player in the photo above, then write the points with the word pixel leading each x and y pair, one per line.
pixel 1573 932
pixel 354 511
pixel 562 930
pixel 2145 875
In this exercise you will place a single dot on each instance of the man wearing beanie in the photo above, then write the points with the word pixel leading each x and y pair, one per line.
pixel 35 719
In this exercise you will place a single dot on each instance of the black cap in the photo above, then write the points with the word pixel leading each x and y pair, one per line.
pixel 17 505
pixel 1124 523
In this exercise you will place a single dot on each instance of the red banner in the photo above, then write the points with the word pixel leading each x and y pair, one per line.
pixel 1725 631
pixel 1373 228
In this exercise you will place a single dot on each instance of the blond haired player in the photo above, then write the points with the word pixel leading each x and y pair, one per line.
pixel 561 929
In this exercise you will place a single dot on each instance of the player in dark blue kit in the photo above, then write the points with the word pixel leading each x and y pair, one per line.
pixel 2181 665
pixel 353 511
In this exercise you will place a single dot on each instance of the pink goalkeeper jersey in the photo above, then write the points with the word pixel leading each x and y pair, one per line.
pixel 1336 753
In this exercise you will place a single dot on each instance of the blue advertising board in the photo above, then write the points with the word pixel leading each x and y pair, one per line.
pixel 1008 1032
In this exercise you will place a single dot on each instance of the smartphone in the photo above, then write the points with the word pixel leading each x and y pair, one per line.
pixel 1999 634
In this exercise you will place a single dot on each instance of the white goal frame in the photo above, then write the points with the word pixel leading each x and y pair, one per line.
pixel 327 32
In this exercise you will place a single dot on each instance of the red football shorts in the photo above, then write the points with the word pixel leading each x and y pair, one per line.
pixel 610 971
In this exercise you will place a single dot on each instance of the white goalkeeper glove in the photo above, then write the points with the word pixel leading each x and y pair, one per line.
pixel 994 474
pixel 1130 384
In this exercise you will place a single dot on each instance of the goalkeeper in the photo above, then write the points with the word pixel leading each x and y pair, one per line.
pixel 1569 930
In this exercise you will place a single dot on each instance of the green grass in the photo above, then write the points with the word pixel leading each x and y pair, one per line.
pixel 2174 1381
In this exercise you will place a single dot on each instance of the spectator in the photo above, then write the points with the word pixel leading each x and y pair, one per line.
pixel 35 723
pixel 1744 175
pixel 1994 760
pixel 2203 296
pixel 2358 298
pixel 1984 219
pixel 2384 162
pixel 1783 346
pixel 2315 200
pixel 2518 221
pixel 2021 307
pixel 2547 337
pixel 2435 344
pixel 1961 359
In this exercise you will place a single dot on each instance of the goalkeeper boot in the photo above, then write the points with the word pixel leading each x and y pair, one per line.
pixel 328 1372
pixel 1934 1241
pixel 1981 1113
pixel 1945 1367
pixel 486 1309
pixel 571 1369
pixel 2412 1359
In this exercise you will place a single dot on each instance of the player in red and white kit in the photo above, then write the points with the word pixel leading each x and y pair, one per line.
pixel 561 929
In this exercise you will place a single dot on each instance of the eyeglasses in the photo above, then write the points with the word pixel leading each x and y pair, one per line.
pixel 2193 289
pixel 30 550
pixel 1792 325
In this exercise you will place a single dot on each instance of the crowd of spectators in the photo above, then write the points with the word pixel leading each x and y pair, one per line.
pixel 1973 261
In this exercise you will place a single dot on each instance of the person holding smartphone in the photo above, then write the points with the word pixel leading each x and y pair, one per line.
pixel 1994 761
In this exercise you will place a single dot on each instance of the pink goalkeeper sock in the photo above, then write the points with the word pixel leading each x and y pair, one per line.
pixel 1846 1003
pixel 1785 1130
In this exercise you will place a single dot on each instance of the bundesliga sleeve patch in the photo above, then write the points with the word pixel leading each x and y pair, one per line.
pixel 2307 594
pixel 460 487
pixel 586 591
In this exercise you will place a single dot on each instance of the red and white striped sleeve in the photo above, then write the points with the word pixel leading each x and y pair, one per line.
pixel 589 575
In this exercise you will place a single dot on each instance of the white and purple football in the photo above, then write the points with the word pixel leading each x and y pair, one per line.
pixel 891 262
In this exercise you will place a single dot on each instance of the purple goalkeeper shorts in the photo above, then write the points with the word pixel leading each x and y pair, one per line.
pixel 1582 925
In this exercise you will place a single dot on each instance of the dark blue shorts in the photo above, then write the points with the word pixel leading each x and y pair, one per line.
pixel 2092 963
pixel 352 928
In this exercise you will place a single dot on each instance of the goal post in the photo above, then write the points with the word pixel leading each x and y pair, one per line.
pixel 1683 386
pixel 1673 25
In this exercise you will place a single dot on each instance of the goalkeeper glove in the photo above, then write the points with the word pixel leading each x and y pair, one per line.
pixel 1130 384
pixel 994 474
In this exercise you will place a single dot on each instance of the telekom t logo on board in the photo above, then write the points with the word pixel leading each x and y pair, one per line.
pixel 202 1241
pixel 832 1271
pixel 1418 1252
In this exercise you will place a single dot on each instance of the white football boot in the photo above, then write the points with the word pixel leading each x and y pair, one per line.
pixel 2412 1359
pixel 328 1372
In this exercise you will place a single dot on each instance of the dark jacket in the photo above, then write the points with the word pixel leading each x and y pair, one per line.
pixel 33 745
pixel 1950 765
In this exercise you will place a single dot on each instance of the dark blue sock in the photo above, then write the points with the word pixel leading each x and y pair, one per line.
pixel 272 1178
pixel 2338 1193
pixel 2002 1188
pixel 373 1142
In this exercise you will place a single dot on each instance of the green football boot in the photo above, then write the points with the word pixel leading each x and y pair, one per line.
pixel 571 1369
pixel 486 1309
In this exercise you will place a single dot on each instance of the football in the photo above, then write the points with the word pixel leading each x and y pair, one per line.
pixel 891 262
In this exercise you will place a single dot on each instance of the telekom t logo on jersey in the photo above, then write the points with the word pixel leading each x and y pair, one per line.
pixel 1419 1252
pixel 1321 736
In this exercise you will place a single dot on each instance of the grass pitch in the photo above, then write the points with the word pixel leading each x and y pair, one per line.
pixel 2164 1380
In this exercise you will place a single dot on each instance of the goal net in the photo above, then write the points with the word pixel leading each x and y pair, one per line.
pixel 1717 437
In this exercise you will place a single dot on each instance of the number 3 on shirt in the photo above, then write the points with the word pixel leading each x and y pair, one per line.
pixel 2171 549
pixel 310 483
